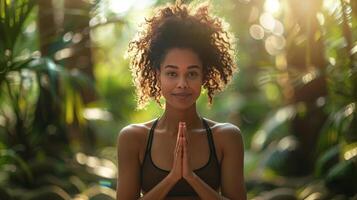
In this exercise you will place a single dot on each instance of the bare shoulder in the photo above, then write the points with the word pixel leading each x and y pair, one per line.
pixel 224 129
pixel 135 134
pixel 226 134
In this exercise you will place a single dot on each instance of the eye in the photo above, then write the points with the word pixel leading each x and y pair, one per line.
pixel 171 74
pixel 192 74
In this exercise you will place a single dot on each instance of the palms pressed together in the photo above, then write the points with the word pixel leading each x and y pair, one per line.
pixel 181 165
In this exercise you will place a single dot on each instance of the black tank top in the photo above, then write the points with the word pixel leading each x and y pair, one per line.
pixel 151 175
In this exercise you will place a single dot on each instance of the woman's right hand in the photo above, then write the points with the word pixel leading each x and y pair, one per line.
pixel 176 171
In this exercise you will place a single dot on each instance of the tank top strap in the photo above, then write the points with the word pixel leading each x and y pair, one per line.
pixel 210 140
pixel 151 135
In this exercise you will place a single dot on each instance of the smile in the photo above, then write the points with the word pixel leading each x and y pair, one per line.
pixel 182 95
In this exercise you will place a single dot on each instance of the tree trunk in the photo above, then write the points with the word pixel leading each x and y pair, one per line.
pixel 76 24
pixel 47 122
pixel 76 18
pixel 305 57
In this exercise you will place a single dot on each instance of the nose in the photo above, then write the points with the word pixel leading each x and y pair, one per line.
pixel 182 83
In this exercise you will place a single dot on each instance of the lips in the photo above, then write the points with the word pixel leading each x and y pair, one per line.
pixel 183 94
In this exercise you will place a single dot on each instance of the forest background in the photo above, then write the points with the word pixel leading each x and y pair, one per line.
pixel 66 91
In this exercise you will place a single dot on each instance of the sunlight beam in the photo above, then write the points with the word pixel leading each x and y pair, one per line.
pixel 272 6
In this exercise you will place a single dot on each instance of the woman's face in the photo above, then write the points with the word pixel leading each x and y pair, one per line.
pixel 180 77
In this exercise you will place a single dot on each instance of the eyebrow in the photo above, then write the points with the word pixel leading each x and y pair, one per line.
pixel 189 67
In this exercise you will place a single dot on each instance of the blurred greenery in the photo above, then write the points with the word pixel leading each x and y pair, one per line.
pixel 294 97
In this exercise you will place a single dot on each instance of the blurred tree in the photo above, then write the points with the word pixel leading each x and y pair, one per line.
pixel 64 32
pixel 48 109
pixel 79 60
pixel 305 57
pixel 76 28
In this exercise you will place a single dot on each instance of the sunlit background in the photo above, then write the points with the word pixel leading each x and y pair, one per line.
pixel 66 91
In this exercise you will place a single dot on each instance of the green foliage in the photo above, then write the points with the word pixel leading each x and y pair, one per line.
pixel 327 160
pixel 261 98
pixel 40 100
pixel 342 178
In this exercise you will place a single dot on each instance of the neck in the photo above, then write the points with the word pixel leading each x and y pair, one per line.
pixel 171 117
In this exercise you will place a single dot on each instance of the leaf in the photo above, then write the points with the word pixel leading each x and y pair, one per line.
pixel 327 160
pixel 268 130
pixel 342 177
pixel 48 192
pixel 14 158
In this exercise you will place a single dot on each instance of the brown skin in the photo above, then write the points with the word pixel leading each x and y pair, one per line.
pixel 180 149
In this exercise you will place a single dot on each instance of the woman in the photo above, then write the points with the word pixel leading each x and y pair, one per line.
pixel 181 155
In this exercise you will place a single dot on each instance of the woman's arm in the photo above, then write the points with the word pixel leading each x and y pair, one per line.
pixel 160 190
pixel 128 185
pixel 128 182
pixel 232 178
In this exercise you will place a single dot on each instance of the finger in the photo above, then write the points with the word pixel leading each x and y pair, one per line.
pixel 178 135
pixel 184 130
pixel 178 152
pixel 178 149
pixel 184 155
pixel 180 129
pixel 178 143
pixel 182 146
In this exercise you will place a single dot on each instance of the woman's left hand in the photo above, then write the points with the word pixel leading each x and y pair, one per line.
pixel 187 172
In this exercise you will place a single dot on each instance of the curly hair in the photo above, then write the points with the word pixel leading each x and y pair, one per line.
pixel 181 26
